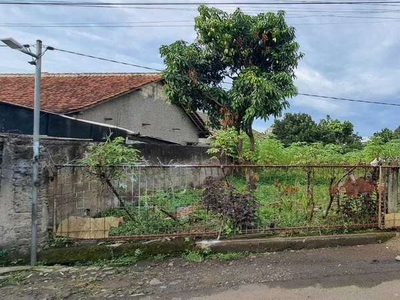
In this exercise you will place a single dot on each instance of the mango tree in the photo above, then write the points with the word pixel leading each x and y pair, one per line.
pixel 239 68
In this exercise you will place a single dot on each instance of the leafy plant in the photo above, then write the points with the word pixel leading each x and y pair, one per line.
pixel 104 160
pixel 193 256
pixel 224 143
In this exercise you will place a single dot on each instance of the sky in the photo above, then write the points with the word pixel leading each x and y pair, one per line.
pixel 351 51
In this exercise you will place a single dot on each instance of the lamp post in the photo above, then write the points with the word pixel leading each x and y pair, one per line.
pixel 13 44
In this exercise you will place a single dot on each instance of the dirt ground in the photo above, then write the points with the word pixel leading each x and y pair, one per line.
pixel 307 274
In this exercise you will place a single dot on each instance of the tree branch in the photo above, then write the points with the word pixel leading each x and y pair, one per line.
pixel 208 96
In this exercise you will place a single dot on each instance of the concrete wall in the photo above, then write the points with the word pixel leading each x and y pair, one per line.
pixel 70 191
pixel 146 112
pixel 16 186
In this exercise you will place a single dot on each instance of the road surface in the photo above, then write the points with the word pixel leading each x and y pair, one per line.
pixel 360 272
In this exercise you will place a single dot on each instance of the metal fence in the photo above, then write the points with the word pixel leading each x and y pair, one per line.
pixel 161 201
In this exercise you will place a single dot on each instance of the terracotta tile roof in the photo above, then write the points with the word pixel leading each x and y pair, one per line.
pixel 67 93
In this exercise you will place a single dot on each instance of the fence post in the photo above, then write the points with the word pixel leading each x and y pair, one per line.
pixel 393 190
pixel 380 190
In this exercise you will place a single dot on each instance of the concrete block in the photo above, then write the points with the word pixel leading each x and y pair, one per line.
pixel 392 220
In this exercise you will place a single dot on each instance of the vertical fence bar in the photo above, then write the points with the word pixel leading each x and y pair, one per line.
pixel 393 190
pixel 55 193
pixel 380 189
pixel 139 188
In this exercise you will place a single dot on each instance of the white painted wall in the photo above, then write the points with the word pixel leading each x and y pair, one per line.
pixel 146 111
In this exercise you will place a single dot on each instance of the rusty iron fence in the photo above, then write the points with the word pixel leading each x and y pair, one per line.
pixel 181 201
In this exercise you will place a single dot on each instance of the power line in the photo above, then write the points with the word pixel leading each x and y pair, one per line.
pixel 173 24
pixel 337 98
pixel 159 70
pixel 93 25
pixel 105 59
pixel 176 25
pixel 347 99
pixel 219 3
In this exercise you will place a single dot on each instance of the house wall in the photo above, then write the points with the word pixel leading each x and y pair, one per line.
pixel 146 111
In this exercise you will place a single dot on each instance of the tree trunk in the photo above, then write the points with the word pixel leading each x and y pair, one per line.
pixel 240 149
pixel 250 176
pixel 115 192
pixel 252 142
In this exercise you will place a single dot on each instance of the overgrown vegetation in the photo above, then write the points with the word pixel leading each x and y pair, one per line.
pixel 237 208
pixel 273 198
pixel 159 213
pixel 292 197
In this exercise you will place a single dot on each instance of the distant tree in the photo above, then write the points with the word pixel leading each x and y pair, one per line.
pixel 294 128
pixel 396 133
pixel 301 128
pixel 256 54
pixel 339 133
pixel 385 135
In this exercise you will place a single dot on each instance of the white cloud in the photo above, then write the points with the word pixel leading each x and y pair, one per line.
pixel 352 58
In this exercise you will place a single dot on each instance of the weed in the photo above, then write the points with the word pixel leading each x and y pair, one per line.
pixel 160 257
pixel 3 253
pixel 193 256
pixel 55 242
pixel 13 279
pixel 228 256
pixel 124 260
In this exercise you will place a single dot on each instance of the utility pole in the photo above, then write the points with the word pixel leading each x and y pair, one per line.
pixel 36 150
pixel 37 61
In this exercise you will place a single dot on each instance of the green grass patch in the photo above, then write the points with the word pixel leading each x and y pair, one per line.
pixel 193 256
pixel 13 279
pixel 228 256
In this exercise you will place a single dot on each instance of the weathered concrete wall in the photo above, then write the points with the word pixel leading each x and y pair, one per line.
pixel 16 186
pixel 70 191
pixel 146 112
pixel 174 154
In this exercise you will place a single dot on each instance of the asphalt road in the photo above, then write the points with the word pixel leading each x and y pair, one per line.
pixel 360 272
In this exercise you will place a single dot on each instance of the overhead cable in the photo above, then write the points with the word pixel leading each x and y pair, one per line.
pixel 105 59
pixel 175 3
pixel 348 99
pixel 159 70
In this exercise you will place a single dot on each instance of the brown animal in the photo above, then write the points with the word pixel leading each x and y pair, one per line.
pixel 356 187
pixel 352 187
pixel 87 228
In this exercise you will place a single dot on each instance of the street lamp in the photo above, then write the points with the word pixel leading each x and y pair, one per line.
pixel 13 44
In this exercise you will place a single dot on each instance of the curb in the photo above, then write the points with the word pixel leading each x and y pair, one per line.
pixel 91 253
pixel 296 243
